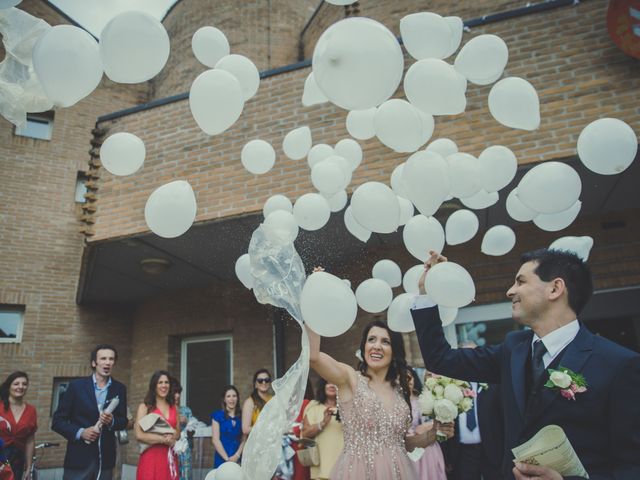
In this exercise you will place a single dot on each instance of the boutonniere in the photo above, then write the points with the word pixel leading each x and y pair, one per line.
pixel 568 382
pixel 483 386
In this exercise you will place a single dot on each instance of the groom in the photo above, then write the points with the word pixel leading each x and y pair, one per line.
pixel 602 423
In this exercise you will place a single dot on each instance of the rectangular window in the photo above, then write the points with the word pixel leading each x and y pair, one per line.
pixel 81 187
pixel 11 319
pixel 39 125
pixel 206 368
pixel 60 385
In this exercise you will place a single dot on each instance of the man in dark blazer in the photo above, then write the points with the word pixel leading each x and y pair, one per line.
pixel 603 422
pixel 91 453
pixel 475 451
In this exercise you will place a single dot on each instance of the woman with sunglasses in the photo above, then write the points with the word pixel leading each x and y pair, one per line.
pixel 375 407
pixel 257 400
pixel 18 423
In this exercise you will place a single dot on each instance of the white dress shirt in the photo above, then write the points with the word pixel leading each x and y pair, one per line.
pixel 557 340
pixel 469 437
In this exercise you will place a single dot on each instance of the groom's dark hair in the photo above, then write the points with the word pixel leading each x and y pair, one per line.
pixel 566 265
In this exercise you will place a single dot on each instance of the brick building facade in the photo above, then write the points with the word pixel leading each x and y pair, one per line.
pixel 74 267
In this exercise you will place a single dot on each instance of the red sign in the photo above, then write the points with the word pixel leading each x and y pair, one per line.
pixel 623 23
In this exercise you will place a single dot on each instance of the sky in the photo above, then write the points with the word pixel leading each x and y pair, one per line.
pixel 93 15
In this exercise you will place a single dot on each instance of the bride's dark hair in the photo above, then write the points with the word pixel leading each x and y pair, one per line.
pixel 398 373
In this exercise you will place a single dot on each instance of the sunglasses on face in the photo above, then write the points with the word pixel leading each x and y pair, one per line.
pixel 263 380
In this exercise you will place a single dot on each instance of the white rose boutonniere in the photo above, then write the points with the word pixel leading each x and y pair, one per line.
pixel 568 382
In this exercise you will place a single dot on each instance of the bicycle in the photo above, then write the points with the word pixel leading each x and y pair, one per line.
pixel 33 474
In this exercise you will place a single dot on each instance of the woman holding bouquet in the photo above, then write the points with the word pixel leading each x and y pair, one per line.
pixel 374 404
pixel 158 461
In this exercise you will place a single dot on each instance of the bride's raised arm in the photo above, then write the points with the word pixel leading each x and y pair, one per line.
pixel 338 373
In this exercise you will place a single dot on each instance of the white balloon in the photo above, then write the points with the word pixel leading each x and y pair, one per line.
pixel 581 246
pixel 498 166
pixel 243 271
pixel 432 86
pixel 258 157
pixel 483 58
pixel 422 234
pixel 296 143
pixel 450 285
pixel 399 316
pixel 607 146
pixel 428 125
pixel 397 184
pixel 209 45
pixel 376 207
pixel 374 295
pixel 338 201
pixel 327 304
pixel 211 475
pixel 122 153
pixel 398 125
pixel 360 123
pixel 552 222
pixel 461 226
pixel 351 150
pixel 276 202
pixel 426 35
pixel 67 63
pixel 245 72
pixel 357 63
pixel 514 103
pixel 319 152
pixel 517 210
pixel 550 187
pixel 498 240
pixel 229 471
pixel 341 2
pixel 447 314
pixel 328 177
pixel 171 209
pixel 280 227
pixel 406 210
pixel 389 271
pixel 134 47
pixel 312 211
pixel 354 227
pixel 312 95
pixel 411 277
pixel 464 172
pixel 481 199
pixel 216 101
pixel 457 26
pixel 443 146
pixel 426 181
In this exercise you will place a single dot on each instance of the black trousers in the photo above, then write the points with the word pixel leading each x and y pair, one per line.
pixel 472 464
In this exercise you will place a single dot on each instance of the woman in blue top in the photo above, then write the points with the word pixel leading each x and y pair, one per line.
pixel 226 428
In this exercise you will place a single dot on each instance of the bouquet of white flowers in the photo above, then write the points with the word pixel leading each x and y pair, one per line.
pixel 445 398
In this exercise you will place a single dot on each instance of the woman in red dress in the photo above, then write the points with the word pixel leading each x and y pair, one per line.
pixel 158 461
pixel 18 424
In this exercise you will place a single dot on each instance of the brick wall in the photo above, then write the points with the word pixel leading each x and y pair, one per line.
pixel 580 76
pixel 265 31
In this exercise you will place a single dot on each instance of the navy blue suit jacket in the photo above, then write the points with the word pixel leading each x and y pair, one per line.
pixel 602 424
pixel 78 409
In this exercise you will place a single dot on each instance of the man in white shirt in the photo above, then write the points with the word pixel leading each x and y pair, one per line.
pixel 602 422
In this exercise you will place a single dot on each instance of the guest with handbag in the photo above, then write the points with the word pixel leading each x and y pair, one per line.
pixel 322 423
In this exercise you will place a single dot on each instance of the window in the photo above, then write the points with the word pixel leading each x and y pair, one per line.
pixel 11 318
pixel 206 368
pixel 60 385
pixel 484 324
pixel 81 187
pixel 39 125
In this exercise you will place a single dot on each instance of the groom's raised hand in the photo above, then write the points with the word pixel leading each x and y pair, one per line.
pixel 434 258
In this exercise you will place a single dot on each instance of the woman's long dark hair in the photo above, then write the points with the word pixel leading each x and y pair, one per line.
pixel 150 396
pixel 398 372
pixel 236 411
pixel 6 385
pixel 257 400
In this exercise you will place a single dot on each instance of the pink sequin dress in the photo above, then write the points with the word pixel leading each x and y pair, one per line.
pixel 373 437
pixel 430 466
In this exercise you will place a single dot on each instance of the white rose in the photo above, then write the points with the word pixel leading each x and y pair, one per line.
pixel 426 401
pixel 453 393
pixel 430 383
pixel 438 391
pixel 560 379
pixel 445 411
pixel 466 404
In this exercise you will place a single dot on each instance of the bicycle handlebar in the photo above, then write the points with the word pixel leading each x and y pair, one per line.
pixel 47 445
